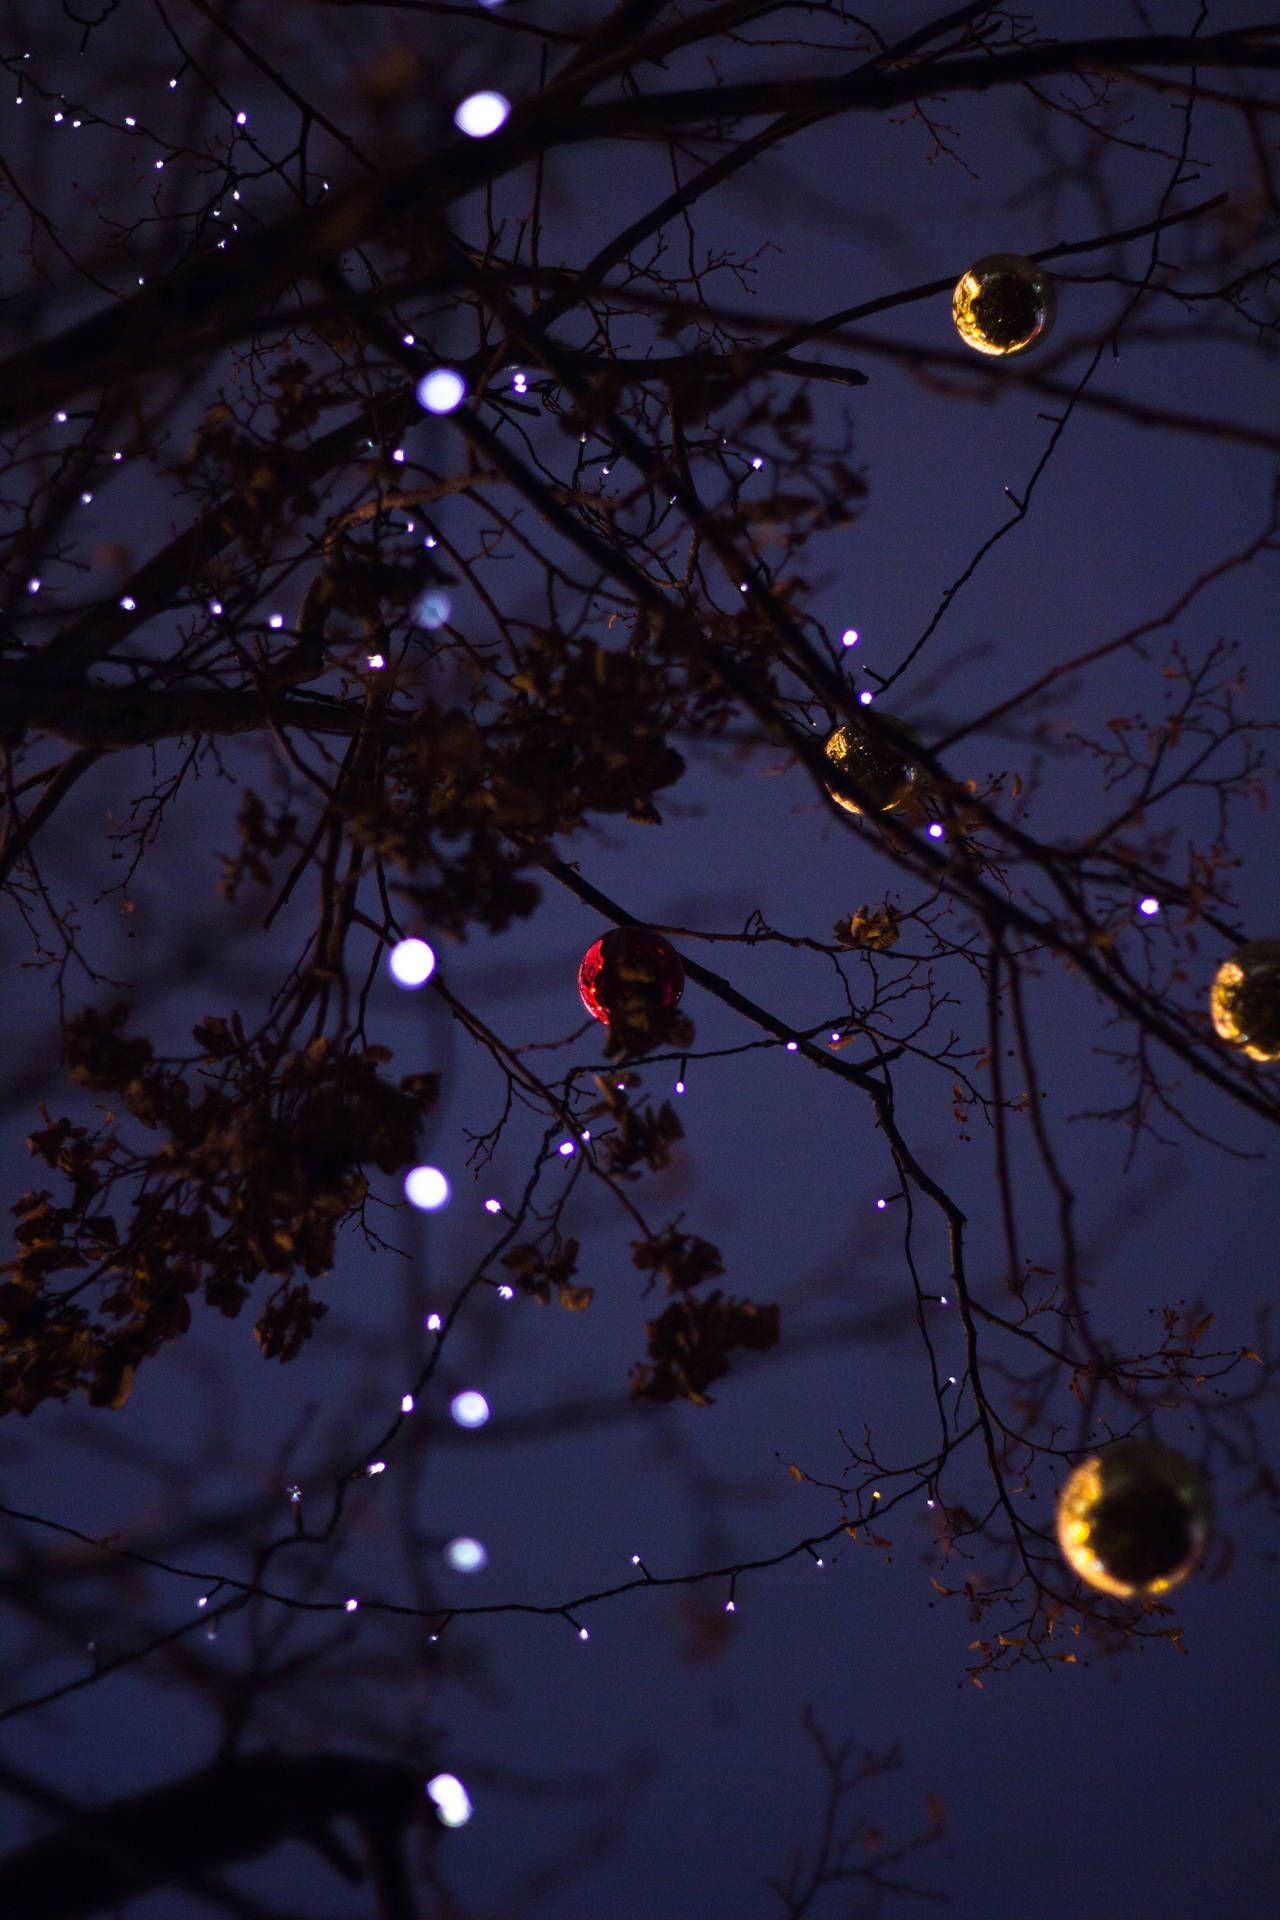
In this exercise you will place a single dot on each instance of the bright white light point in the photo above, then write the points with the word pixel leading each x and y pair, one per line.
pixel 566 1148
pixel 865 699
pixel 85 498
pixel 349 1606
pixel 1149 905
pixel 849 638
pixel 928 1503
pixel 587 1134
pixel 731 1606
pixel 935 831
pixel 159 165
pixel 215 607
pixel 505 1292
pixel 33 585
pixel 469 1409
pixel 818 1561
pixel 466 1555
pixel 757 463
pixel 951 1379
pixel 451 1800
pixel 173 83
pixel 441 390
pixel 406 1405
pixel 881 1205
pixel 241 119
pixel 412 962
pixel 430 540
pixel 481 114
pixel 129 120
pixel 583 1633
pixel 376 662
pixel 398 454
pixel 835 1039
pixel 409 340
pixel 493 1206
pixel 520 383
pixel 942 1299
pixel 128 602
pixel 61 419
pixel 679 1087
pixel 203 1601
pixel 56 119
pixel 117 455
pixel 793 1046
pixel 276 620
pixel 434 1323
pixel 376 1467
pixel 426 1188
pixel 635 1559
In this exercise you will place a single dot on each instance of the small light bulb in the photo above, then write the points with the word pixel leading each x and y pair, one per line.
pixel 481 114
pixel 441 390
pixel 407 1403
pixel 350 1606
pixel 493 1206
pixel 426 1188
pixel 1149 906
pixel 466 1555
pixel 411 962
pixel 469 1409
pixel 450 1798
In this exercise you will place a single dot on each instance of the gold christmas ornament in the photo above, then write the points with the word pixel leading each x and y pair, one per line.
pixel 1134 1520
pixel 1245 1000
pixel 884 772
pixel 1004 304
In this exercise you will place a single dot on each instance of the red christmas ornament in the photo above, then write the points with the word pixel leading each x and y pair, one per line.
pixel 630 973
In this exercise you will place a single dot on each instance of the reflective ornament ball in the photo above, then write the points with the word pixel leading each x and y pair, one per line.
pixel 631 975
pixel 882 771
pixel 1245 1001
pixel 1134 1520
pixel 1004 304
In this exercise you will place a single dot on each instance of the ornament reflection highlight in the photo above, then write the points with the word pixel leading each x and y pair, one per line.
pixel 1245 999
pixel 883 771
pixel 1004 304
pixel 1134 1520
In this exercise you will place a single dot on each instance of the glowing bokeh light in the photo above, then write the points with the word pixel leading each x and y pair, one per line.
pixel 481 114
pixel 450 1799
pixel 411 962
pixel 1004 304
pixel 469 1408
pixel 466 1555
pixel 1245 999
pixel 1134 1519
pixel 426 1188
pixel 441 390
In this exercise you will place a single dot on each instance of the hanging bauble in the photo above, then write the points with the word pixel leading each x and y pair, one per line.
pixel 631 977
pixel 885 773
pixel 1134 1519
pixel 1004 304
pixel 1245 1001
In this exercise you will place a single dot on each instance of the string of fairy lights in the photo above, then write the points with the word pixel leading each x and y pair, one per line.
pixel 1133 1519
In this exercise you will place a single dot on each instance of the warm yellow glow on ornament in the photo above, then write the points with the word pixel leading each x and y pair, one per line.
pixel 1004 304
pixel 1133 1521
pixel 1245 1000
pixel 884 772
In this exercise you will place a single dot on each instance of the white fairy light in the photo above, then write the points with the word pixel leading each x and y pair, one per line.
pixel 407 1403
pixel 128 602
pixel 450 1799
pixel 375 1467
pixel 865 698
pixel 276 620
pixel 215 608
pixel 466 1555
pixel 1149 906
pixel 411 962
pixel 433 1323
pixel 493 1206
pixel 351 1605
pixel 566 1148
pixel 375 662
pixel 481 114
pixel 33 584
pixel 426 1188
pixel 793 1046
pixel 881 1205
pixel 757 463
pixel 849 638
pixel 936 831
pixel 506 1292
pixel 441 390
pixel 469 1408
pixel 398 455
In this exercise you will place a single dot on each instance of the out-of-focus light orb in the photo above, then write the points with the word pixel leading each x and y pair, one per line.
pixel 1134 1520
pixel 433 608
pixel 450 1799
pixel 630 966
pixel 441 390
pixel 426 1188
pixel 412 962
pixel 1004 304
pixel 1245 1000
pixel 481 114
pixel 1149 905
pixel 884 772
pixel 469 1408
pixel 466 1555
